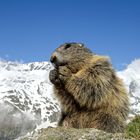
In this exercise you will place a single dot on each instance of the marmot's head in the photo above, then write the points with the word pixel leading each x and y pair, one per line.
pixel 70 54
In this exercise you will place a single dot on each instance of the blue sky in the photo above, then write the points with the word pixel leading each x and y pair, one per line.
pixel 31 29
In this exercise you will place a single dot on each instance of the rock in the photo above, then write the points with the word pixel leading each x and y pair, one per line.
pixel 61 133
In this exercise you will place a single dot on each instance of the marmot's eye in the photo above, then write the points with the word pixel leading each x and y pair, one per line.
pixel 67 46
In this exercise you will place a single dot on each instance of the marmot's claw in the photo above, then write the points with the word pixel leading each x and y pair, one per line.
pixel 63 70
pixel 53 75
pixel 64 73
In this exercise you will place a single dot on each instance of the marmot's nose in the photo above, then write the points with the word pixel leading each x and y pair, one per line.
pixel 53 58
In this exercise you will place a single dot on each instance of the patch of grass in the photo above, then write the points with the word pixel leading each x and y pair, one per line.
pixel 133 128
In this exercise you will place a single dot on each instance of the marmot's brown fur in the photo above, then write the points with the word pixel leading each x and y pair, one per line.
pixel 91 94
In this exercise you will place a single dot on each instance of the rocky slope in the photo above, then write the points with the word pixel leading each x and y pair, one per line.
pixel 75 134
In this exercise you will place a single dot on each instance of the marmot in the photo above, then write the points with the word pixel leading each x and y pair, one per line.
pixel 91 94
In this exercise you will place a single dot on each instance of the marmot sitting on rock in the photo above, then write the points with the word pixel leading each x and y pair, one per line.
pixel 90 93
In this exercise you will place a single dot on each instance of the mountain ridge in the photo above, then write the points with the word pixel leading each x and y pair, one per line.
pixel 131 78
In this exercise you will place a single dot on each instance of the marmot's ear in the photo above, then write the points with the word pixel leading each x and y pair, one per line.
pixel 81 44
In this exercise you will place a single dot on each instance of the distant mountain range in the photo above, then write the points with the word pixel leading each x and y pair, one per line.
pixel 26 99
pixel 27 102
pixel 131 77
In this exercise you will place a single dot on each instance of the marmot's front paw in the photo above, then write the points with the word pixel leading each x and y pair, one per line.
pixel 53 76
pixel 64 73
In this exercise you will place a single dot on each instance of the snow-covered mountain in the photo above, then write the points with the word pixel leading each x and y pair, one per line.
pixel 26 99
pixel 131 77
pixel 27 102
